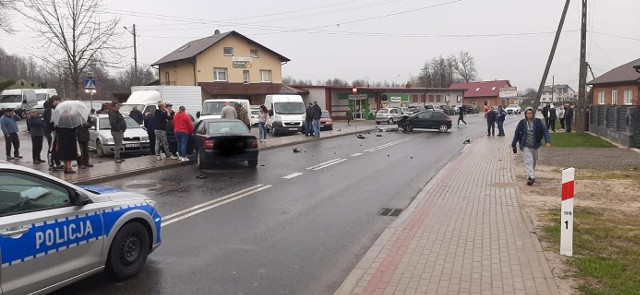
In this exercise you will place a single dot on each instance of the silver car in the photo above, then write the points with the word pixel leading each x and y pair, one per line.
pixel 390 115
pixel 53 233
pixel 136 139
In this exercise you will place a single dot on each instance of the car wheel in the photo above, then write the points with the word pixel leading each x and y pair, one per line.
pixel 390 121
pixel 443 128
pixel 253 163
pixel 410 127
pixel 99 149
pixel 200 161
pixel 129 251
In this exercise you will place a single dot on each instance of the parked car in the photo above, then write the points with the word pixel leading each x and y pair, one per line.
pixel 224 140
pixel 136 139
pixel 513 109
pixel 255 113
pixel 55 233
pixel 415 109
pixel 447 109
pixel 390 115
pixel 325 121
pixel 407 111
pixel 472 109
pixel 429 120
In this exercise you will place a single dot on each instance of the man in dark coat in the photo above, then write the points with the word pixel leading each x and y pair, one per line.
pixel 545 114
pixel 492 117
pixel 316 113
pixel 308 128
pixel 150 124
pixel 37 128
pixel 462 111
pixel 136 115
pixel 49 106
pixel 83 141
pixel 568 117
pixel 553 116
pixel 118 127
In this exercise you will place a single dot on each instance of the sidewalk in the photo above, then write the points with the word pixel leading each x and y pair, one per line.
pixel 106 169
pixel 465 233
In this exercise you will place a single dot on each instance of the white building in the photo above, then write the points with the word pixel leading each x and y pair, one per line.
pixel 561 93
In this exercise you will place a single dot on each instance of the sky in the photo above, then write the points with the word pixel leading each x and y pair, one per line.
pixel 385 40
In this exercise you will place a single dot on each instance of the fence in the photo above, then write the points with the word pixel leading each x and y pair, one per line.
pixel 620 124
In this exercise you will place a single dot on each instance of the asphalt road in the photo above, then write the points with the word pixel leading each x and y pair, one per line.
pixel 297 224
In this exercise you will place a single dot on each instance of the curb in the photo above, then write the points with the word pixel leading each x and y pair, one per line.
pixel 312 140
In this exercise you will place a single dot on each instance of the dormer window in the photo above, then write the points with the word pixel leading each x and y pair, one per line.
pixel 478 89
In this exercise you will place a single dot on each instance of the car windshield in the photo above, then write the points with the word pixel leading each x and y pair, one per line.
pixel 289 108
pixel 382 111
pixel 11 98
pixel 233 127
pixel 106 125
pixel 41 96
pixel 126 108
pixel 325 114
pixel 212 108
pixel 255 113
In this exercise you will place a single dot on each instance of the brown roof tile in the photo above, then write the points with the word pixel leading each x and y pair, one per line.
pixel 481 89
pixel 624 73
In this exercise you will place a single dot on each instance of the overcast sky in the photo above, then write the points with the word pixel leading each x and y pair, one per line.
pixel 385 40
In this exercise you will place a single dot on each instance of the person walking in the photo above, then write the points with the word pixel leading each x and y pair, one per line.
pixel 553 116
pixel 568 117
pixel 462 111
pixel 263 117
pixel 149 123
pixel 161 118
pixel 491 122
pixel 37 128
pixel 229 112
pixel 104 109
pixel 183 129
pixel 83 141
pixel 66 144
pixel 49 132
pixel 308 120
pixel 528 135
pixel 501 117
pixel 243 115
pixel 9 126
pixel 136 115
pixel 118 127
pixel 349 115
pixel 545 114
pixel 561 116
pixel 316 112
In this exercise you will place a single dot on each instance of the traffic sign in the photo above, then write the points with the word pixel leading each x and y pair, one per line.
pixel 566 217
pixel 90 84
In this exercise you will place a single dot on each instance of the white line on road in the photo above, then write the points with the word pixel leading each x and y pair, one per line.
pixel 292 175
pixel 386 145
pixel 325 163
pixel 177 216
pixel 357 154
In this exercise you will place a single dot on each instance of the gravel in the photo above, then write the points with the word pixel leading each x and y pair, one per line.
pixel 590 158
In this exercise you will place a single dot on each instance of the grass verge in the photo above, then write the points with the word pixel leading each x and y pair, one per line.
pixel 578 140
pixel 606 248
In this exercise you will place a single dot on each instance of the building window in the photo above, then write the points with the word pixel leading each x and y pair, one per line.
pixel 628 95
pixel 614 97
pixel 265 75
pixel 486 102
pixel 228 51
pixel 431 98
pixel 458 98
pixel 245 77
pixel 253 53
pixel 167 78
pixel 438 98
pixel 414 98
pixel 601 97
pixel 220 74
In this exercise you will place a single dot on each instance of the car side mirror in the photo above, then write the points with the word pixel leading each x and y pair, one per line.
pixel 24 101
pixel 198 114
pixel 92 127
pixel 80 199
pixel 270 113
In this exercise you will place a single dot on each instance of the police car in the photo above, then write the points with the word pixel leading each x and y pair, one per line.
pixel 53 233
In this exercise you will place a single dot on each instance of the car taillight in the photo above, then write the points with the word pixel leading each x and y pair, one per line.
pixel 254 144
pixel 209 144
pixel 448 119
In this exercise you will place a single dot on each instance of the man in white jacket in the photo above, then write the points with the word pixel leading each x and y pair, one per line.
pixel 561 116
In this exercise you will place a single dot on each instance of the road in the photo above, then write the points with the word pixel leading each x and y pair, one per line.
pixel 296 225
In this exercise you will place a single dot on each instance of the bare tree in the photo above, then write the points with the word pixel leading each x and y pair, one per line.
pixel 466 67
pixel 5 21
pixel 78 30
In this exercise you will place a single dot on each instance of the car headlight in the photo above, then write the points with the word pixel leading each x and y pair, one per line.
pixel 277 117
pixel 108 140
pixel 144 139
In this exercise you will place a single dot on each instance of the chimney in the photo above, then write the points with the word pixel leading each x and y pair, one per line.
pixel 216 32
pixel 408 85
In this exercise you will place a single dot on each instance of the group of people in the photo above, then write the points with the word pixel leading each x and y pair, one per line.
pixel 564 114
pixel 162 120
pixel 312 119
pixel 494 116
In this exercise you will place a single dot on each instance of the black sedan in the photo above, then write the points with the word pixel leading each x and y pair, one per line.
pixel 224 140
pixel 429 119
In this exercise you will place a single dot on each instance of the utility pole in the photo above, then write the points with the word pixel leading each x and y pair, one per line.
pixel 135 54
pixel 553 87
pixel 582 87
pixel 552 54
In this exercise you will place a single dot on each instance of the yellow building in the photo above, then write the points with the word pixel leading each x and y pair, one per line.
pixel 225 65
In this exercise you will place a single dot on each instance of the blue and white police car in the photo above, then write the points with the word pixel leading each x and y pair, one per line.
pixel 53 233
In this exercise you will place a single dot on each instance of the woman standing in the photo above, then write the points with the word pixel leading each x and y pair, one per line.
pixel 66 145
pixel 262 122
pixel 183 129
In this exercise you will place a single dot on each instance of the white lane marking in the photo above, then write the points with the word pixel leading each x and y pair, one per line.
pixel 357 154
pixel 386 145
pixel 327 165
pixel 292 175
pixel 215 205
pixel 322 164
pixel 166 218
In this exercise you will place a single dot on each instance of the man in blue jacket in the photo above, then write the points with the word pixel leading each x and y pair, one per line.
pixel 10 130
pixel 529 134
pixel 502 116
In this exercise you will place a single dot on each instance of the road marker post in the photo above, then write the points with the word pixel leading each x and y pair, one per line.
pixel 566 217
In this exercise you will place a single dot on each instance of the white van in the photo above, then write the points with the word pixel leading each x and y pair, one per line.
pixel 43 95
pixel 212 108
pixel 146 98
pixel 287 111
pixel 20 100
